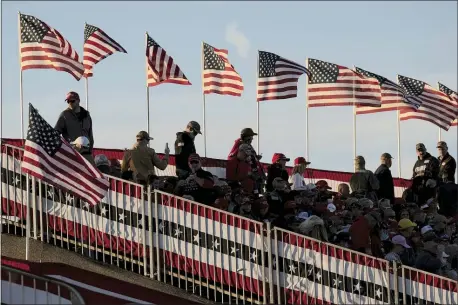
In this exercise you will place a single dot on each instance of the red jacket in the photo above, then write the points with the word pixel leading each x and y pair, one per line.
pixel 235 150
pixel 237 170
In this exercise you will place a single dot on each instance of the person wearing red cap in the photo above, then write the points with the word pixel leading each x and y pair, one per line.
pixel 199 184
pixel 297 177
pixel 239 169
pixel 277 170
pixel 75 122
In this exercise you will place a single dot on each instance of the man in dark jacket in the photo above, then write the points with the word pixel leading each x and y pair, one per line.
pixel 363 182
pixel 426 166
pixel 447 198
pixel 75 122
pixel 447 163
pixel 383 174
pixel 184 147
pixel 277 170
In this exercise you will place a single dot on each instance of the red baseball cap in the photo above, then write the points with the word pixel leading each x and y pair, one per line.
pixel 72 96
pixel 300 160
pixel 279 156
pixel 322 184
pixel 194 157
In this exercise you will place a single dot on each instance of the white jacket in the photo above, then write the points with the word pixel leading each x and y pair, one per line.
pixel 298 182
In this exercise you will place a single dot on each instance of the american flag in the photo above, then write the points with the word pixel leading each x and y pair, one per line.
pixel 97 46
pixel 277 77
pixel 161 67
pixel 218 75
pixel 333 85
pixel 393 96
pixel 436 107
pixel 50 158
pixel 453 95
pixel 43 47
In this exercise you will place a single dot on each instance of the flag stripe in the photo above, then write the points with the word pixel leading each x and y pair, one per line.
pixel 161 67
pixel 97 47
pixel 52 52
pixel 224 82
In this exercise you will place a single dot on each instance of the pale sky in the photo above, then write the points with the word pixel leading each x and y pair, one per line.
pixel 414 39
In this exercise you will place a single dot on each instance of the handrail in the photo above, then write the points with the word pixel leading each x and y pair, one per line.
pixel 76 298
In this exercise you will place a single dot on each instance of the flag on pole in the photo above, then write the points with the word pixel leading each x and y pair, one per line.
pixel 393 96
pixel 218 75
pixel 97 46
pixel 453 96
pixel 334 85
pixel 43 47
pixel 161 67
pixel 277 77
pixel 50 158
pixel 436 107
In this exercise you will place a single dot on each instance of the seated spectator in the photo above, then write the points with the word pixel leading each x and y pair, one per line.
pixel 447 197
pixel 314 227
pixel 399 247
pixel 297 176
pixel 365 234
pixel 276 170
pixel 102 164
pixel 199 183
pixel 239 169
pixel 279 197
pixel 142 160
pixel 115 166
pixel 407 230
pixel 428 258
pixel 428 234
pixel 363 182
pixel 260 209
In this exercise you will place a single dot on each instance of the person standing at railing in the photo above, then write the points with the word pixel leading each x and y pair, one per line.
pixel 277 170
pixel 297 176
pixel 385 179
pixel 75 122
pixel 363 182
pixel 239 169
pixel 142 160
pixel 447 163
pixel 184 147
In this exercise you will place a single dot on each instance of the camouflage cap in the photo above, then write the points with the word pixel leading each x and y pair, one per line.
pixel 442 144
pixel 196 126
pixel 143 135
pixel 420 147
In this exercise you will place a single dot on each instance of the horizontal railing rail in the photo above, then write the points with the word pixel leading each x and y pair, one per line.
pixel 210 252
pixel 20 287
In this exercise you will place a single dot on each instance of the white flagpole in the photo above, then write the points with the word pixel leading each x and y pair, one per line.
pixel 147 87
pixel 354 122
pixel 399 142
pixel 440 134
pixel 307 150
pixel 203 97
pixel 86 81
pixel 257 107
pixel 21 92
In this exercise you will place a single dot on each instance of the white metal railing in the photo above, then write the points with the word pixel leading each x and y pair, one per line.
pixel 20 287
pixel 204 250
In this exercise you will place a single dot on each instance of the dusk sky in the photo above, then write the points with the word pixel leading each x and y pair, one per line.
pixel 414 39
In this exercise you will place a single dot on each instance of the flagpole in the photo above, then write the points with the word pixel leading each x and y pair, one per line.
pixel 86 81
pixel 147 87
pixel 399 142
pixel 307 152
pixel 257 106
pixel 21 92
pixel 354 122
pixel 203 97
pixel 440 134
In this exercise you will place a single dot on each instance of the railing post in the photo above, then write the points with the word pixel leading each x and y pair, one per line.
pixel 27 218
pixel 269 262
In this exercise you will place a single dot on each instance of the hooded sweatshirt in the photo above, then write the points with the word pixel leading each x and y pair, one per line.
pixel 428 167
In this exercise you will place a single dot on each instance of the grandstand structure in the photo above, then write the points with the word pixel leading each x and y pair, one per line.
pixel 209 252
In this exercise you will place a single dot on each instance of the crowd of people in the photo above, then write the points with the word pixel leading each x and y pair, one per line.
pixel 417 230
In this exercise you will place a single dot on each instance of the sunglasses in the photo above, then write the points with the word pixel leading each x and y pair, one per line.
pixel 194 162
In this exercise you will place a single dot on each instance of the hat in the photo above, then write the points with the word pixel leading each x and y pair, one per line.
pixel 366 203
pixel 331 207
pixel 248 132
pixel 278 180
pixel 441 144
pixel 386 156
pixel 303 216
pixel 406 223
pixel 115 163
pixel 196 126
pixel 322 184
pixel 389 213
pixel 444 237
pixel 82 141
pixel 194 157
pixel 428 203
pixel 300 160
pixel 101 160
pixel 72 96
pixel 426 229
pixel 143 135
pixel 400 240
pixel 278 157
pixel 420 147
pixel 360 159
